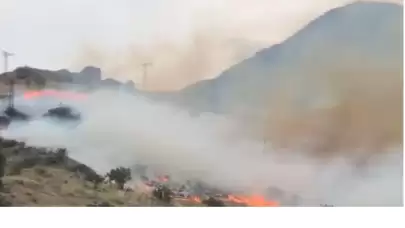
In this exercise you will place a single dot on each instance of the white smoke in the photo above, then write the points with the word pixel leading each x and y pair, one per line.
pixel 122 130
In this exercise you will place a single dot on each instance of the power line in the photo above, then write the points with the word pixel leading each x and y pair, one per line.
pixel 145 73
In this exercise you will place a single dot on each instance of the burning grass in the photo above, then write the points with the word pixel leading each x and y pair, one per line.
pixel 40 183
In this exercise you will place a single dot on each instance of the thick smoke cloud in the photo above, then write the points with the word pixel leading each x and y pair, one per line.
pixel 124 130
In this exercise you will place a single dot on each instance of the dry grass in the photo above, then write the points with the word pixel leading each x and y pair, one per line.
pixel 47 186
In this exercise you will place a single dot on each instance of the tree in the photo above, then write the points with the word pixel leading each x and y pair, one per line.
pixel 120 175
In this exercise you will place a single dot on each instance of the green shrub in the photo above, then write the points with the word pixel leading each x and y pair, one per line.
pixel 120 175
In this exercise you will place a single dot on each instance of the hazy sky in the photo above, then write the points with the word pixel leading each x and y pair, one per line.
pixel 50 33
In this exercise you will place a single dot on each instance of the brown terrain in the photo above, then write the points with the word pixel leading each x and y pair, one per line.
pixel 38 177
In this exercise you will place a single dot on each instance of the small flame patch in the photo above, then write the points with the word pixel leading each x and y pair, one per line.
pixel 54 93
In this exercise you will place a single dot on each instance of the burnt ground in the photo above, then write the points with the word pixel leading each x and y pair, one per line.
pixel 42 177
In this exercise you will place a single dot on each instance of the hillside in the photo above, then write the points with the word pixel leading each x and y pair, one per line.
pixel 360 38
pixel 42 177
pixel 47 177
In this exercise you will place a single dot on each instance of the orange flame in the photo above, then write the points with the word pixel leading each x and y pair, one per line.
pixel 54 93
pixel 253 201
pixel 163 178
pixel 196 199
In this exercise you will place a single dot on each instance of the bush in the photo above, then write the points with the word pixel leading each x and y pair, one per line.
pixel 7 143
pixel 4 121
pixel 5 202
pixel 96 180
pixel 14 113
pixel 89 174
pixel 2 169
pixel 2 164
pixel 57 158
pixel 25 163
pixel 120 175
pixel 102 204
pixel 61 155
pixel 212 202
pixel 163 193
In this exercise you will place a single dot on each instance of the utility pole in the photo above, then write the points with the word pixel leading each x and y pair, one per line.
pixel 264 145
pixel 145 73
pixel 6 55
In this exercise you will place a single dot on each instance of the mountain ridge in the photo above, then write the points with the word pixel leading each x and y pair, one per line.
pixel 343 29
